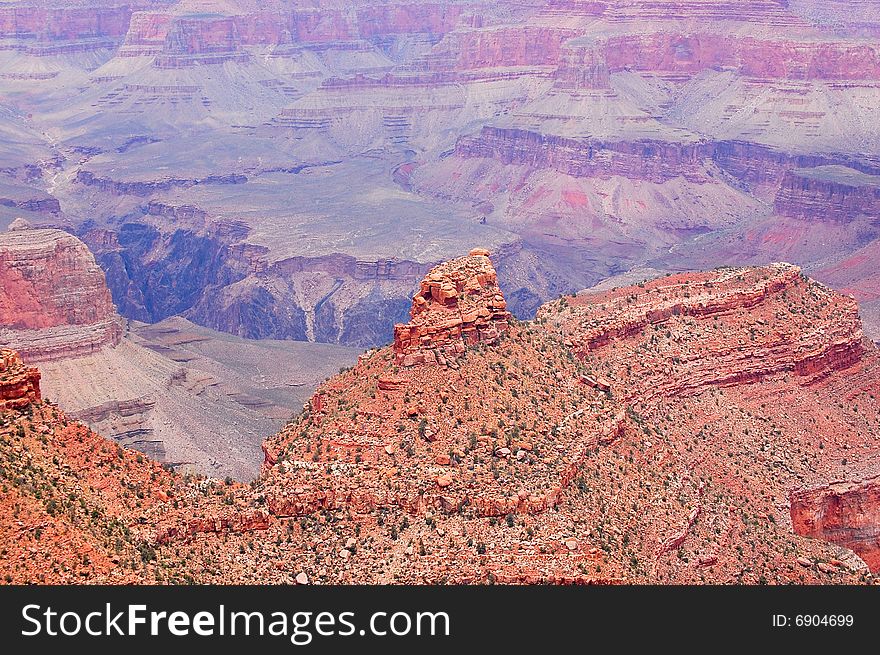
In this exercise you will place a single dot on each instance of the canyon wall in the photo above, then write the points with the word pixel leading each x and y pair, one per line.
pixel 646 159
pixel 845 513
pixel 831 194
pixel 39 25
pixel 747 297
pixel 54 301
pixel 671 52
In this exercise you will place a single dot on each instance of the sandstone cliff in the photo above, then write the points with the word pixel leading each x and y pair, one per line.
pixel 843 512
pixel 54 301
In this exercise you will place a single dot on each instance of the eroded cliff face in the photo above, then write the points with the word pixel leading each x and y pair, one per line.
pixel 829 194
pixel 211 277
pixel 54 301
pixel 690 53
pixel 46 26
pixel 845 513
pixel 638 159
pixel 773 346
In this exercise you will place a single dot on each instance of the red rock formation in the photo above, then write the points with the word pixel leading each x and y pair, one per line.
pixel 247 521
pixel 642 159
pixel 584 67
pixel 458 305
pixel 188 39
pixel 54 301
pixel 727 293
pixel 770 12
pixel 64 24
pixel 845 513
pixel 500 47
pixel 146 34
pixel 701 399
pixel 19 385
pixel 431 18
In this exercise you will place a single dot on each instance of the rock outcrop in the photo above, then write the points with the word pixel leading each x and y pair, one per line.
pixel 845 513
pixel 459 304
pixel 54 301
pixel 727 294
pixel 19 384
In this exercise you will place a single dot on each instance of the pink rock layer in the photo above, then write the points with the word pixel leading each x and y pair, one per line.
pixel 54 300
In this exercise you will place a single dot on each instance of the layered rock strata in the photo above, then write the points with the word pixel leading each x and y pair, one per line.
pixel 810 352
pixel 829 194
pixel 842 512
pixel 54 301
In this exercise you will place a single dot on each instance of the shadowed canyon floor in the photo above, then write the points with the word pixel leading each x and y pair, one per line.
pixel 693 428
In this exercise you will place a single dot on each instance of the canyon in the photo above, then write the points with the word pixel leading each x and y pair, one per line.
pixel 189 398
pixel 242 342
pixel 282 171
pixel 715 427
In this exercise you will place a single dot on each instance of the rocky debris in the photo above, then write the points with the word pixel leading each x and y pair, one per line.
pixel 444 480
pixel 459 304
pixel 54 302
